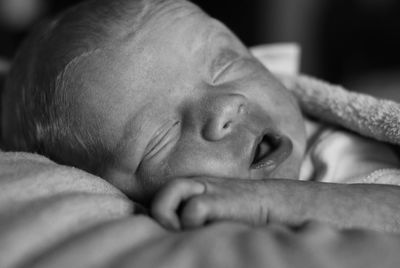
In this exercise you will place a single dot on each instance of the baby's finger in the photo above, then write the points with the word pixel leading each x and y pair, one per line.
pixel 202 209
pixel 167 200
pixel 196 212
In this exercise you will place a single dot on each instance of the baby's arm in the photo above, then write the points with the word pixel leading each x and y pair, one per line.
pixel 189 203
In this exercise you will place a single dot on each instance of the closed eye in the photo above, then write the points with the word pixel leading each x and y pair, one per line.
pixel 224 70
pixel 165 138
pixel 222 63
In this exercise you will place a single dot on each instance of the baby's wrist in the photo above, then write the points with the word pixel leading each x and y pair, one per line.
pixel 289 201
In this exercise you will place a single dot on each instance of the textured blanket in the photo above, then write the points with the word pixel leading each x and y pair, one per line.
pixel 364 114
pixel 57 216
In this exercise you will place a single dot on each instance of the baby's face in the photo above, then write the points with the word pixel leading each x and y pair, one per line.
pixel 183 98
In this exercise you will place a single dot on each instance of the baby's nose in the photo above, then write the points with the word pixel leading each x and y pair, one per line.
pixel 225 111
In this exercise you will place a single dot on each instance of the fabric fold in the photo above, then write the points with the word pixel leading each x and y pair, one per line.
pixel 361 113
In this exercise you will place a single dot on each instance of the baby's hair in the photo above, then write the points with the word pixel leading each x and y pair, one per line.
pixel 38 112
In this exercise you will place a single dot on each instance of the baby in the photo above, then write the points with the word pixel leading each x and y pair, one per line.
pixel 170 107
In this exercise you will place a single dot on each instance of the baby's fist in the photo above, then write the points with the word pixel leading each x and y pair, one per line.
pixel 194 202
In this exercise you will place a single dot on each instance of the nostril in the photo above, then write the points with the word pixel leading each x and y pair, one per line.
pixel 241 109
pixel 227 125
pixel 223 113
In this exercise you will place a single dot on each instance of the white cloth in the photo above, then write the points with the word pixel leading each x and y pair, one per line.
pixel 340 156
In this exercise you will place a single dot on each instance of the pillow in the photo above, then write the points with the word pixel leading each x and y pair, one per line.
pixel 280 58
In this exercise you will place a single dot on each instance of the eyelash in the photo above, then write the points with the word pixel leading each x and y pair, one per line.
pixel 162 142
pixel 224 69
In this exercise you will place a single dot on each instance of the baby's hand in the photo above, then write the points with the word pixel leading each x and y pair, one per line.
pixel 191 203
pixel 194 202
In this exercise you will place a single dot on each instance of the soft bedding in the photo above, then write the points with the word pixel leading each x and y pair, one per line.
pixel 57 216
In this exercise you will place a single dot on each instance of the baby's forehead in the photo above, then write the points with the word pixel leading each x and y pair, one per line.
pixel 148 44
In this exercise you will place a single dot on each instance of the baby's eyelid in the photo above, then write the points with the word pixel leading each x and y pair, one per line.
pixel 164 139
pixel 223 70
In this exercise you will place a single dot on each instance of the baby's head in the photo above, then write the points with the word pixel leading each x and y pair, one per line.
pixel 140 91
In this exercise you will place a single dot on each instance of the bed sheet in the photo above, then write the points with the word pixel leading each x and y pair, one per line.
pixel 56 216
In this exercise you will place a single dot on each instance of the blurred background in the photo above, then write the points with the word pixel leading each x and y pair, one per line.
pixel 351 42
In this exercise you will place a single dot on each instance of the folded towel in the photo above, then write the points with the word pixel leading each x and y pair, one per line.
pixel 366 115
pixel 361 113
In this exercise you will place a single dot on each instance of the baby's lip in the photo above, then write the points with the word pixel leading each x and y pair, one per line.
pixel 279 147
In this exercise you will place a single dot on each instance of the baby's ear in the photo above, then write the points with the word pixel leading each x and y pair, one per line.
pixel 280 58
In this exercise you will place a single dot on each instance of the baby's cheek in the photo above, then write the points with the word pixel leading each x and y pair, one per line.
pixel 130 184
pixel 207 164
pixel 289 169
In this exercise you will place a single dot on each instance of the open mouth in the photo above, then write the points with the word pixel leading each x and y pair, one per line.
pixel 270 150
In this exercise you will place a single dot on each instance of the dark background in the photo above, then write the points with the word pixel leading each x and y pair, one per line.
pixel 343 41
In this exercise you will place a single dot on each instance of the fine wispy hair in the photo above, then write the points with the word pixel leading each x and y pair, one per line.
pixel 38 111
